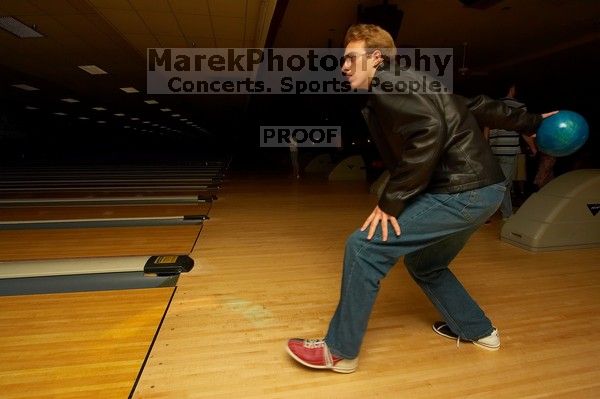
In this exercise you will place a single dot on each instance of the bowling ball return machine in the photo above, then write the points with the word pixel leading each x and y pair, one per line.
pixel 564 214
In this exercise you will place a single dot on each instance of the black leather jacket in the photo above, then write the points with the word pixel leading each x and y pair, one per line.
pixel 434 143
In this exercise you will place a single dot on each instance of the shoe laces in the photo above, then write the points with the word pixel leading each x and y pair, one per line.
pixel 314 343
pixel 320 343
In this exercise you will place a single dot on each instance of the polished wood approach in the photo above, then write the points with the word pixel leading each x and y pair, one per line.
pixel 268 269
pixel 77 345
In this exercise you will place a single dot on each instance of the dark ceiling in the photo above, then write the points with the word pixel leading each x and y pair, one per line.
pixel 509 35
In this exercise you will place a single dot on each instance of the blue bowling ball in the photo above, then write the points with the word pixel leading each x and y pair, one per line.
pixel 562 134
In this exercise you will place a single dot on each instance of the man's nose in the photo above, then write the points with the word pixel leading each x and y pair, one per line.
pixel 345 68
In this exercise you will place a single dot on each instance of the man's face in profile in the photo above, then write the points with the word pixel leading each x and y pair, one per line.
pixel 358 66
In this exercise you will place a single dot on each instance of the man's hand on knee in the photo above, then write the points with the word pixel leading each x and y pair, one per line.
pixel 379 216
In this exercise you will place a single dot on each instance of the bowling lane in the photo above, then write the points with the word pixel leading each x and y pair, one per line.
pixel 90 344
pixel 14 213
pixel 97 242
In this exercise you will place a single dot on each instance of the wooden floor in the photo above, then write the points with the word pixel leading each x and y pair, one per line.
pixel 77 345
pixel 268 267
pixel 96 242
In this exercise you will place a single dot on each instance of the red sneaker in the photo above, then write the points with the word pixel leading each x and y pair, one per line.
pixel 314 353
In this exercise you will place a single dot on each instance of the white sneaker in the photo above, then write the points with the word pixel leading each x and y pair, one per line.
pixel 491 342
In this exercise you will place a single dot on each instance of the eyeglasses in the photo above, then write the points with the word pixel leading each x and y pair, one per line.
pixel 353 56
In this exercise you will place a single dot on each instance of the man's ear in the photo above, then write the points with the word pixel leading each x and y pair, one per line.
pixel 377 57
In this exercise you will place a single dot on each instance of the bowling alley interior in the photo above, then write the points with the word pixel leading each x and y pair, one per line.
pixel 202 199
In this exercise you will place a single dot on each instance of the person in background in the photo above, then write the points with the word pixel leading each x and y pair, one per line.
pixel 545 171
pixel 506 147
pixel 294 158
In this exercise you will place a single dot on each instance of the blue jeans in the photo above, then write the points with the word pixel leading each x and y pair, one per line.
pixel 508 164
pixel 434 228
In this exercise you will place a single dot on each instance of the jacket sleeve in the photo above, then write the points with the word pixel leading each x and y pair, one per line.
pixel 497 115
pixel 415 135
